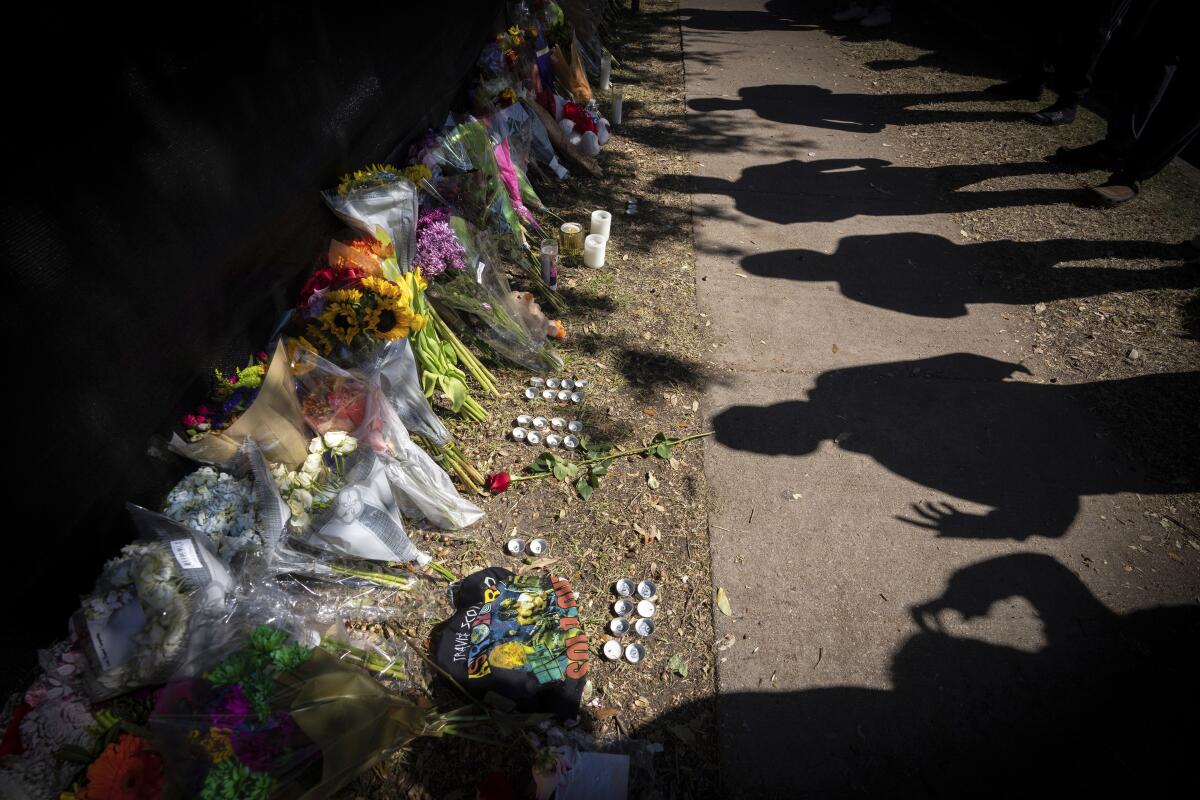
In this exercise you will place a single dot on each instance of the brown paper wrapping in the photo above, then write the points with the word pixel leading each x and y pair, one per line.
pixel 568 72
pixel 562 144
pixel 353 719
pixel 274 420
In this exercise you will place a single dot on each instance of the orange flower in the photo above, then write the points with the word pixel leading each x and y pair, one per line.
pixel 127 770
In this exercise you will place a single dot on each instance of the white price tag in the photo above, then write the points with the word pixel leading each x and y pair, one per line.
pixel 185 554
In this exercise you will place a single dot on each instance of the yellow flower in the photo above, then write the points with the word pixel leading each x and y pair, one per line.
pixel 419 321
pixel 344 296
pixel 340 320
pixel 317 341
pixel 390 319
pixel 385 288
pixel 417 173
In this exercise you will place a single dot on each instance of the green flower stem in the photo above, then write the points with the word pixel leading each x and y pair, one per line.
pixel 441 570
pixel 611 456
pixel 372 662
pixel 473 365
pixel 381 578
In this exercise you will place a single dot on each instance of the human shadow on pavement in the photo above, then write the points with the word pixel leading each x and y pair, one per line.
pixel 827 190
pixel 818 107
pixel 1105 705
pixel 929 276
pixel 956 424
pixel 708 19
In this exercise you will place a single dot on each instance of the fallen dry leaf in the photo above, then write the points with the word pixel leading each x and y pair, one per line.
pixel 723 602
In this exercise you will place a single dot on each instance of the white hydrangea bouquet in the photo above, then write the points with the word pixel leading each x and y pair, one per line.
pixel 218 505
pixel 136 620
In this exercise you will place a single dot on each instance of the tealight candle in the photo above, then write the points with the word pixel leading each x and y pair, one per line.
pixel 593 250
pixel 601 223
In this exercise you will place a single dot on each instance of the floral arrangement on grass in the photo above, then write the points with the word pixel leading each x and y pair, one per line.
pixel 218 505
pixel 231 396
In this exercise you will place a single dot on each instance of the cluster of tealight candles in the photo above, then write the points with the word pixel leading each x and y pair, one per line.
pixel 572 242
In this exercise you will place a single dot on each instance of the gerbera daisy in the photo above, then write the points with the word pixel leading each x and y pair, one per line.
pixel 127 770
pixel 340 320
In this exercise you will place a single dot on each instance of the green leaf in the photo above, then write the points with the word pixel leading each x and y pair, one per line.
pixel 599 468
pixel 543 463
pixel 564 469
pixel 75 754
pixel 584 488
pixel 428 383
pixel 678 665
pixel 449 353
pixel 456 390
pixel 662 445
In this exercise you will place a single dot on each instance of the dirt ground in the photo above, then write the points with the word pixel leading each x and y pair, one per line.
pixel 633 330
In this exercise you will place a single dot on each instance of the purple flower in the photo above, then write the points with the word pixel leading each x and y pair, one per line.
pixel 234 708
pixel 438 249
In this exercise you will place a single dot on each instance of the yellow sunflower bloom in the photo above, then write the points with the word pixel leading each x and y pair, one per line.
pixel 317 340
pixel 385 288
pixel 344 296
pixel 341 321
pixel 390 319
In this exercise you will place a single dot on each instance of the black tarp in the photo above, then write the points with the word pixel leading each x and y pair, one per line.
pixel 160 209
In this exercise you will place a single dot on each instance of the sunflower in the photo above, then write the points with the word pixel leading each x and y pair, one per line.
pixel 341 321
pixel 390 319
pixel 126 770
pixel 317 340
pixel 385 288
pixel 344 296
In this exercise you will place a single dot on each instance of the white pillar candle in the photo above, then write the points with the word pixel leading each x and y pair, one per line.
pixel 593 251
pixel 605 71
pixel 601 223
pixel 618 100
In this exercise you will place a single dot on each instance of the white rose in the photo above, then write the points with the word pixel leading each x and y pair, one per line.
pixel 304 497
pixel 299 520
pixel 313 464
pixel 303 480
pixel 335 439
pixel 316 445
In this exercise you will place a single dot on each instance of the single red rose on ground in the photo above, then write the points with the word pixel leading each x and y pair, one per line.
pixel 497 482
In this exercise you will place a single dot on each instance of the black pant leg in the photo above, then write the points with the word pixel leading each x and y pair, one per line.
pixel 1172 126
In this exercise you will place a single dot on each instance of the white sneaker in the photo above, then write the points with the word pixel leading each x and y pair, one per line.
pixel 847 14
pixel 882 15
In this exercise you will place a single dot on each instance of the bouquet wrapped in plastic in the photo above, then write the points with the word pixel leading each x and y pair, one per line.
pixel 136 619
pixel 267 411
pixel 382 203
pixel 264 716
pixel 472 182
pixel 472 295
pixel 421 488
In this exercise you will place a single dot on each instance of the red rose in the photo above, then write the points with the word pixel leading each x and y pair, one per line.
pixel 321 280
pixel 497 482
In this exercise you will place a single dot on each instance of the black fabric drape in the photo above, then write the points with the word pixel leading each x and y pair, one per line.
pixel 160 209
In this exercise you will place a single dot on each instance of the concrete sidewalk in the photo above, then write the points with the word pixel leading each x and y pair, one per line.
pixel 929 553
